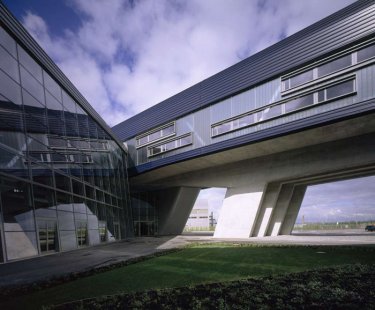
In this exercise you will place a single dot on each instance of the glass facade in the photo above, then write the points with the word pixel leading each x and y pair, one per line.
pixel 63 179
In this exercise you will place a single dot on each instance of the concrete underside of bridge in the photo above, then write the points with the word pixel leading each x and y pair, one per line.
pixel 265 181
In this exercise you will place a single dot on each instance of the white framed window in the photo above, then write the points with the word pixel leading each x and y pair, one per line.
pixel 170 145
pixel 156 134
pixel 327 92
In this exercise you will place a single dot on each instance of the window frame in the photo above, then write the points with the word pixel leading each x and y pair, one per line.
pixel 355 64
pixel 283 102
pixel 152 131
pixel 190 134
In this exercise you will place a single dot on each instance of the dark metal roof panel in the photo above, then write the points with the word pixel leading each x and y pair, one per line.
pixel 333 32
pixel 322 119
pixel 20 34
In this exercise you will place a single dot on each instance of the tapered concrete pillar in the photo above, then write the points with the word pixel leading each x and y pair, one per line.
pixel 174 208
pixel 266 210
pixel 293 209
pixel 280 209
pixel 238 213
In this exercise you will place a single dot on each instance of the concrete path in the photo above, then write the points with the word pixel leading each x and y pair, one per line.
pixel 40 268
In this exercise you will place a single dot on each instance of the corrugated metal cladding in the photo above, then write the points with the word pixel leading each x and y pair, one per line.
pixel 269 133
pixel 334 32
pixel 7 20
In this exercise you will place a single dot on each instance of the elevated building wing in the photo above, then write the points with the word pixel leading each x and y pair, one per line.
pixel 299 112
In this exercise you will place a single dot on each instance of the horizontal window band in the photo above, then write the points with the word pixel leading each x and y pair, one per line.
pixel 311 91
pixel 313 103
pixel 179 143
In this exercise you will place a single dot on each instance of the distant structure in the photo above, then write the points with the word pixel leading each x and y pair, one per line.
pixel 199 216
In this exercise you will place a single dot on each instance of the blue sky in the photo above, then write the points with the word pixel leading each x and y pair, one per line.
pixel 127 55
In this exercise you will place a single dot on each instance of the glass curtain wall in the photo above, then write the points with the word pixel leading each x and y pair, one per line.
pixel 63 181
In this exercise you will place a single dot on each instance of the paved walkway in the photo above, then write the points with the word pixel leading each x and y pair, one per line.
pixel 39 268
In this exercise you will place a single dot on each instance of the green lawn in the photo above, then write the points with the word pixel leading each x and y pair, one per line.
pixel 194 265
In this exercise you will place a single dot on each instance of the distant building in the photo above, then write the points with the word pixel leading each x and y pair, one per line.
pixel 199 216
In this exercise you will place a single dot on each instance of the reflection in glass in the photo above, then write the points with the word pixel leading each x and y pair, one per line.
pixel 9 65
pixel 11 90
pixel 340 89
pixel 299 103
pixel 335 65
pixel 47 235
pixel 366 53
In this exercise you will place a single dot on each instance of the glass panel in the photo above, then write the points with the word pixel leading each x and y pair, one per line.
pixel 222 128
pixel 269 113
pixel 13 164
pixel 9 64
pixel 20 244
pixel 62 182
pixel 91 207
pixel 29 64
pixel 90 192
pixel 321 96
pixel 47 235
pixel 81 231
pixel 69 103
pixel 52 103
pixel 340 89
pixel 57 142
pixel 52 86
pixel 168 130
pixel 299 103
pixel 246 120
pixel 16 205
pixel 102 231
pixel 32 85
pixel 186 140
pixel 64 201
pixel 335 65
pixel 301 78
pixel 35 119
pixel 156 150
pixel 7 42
pixel 366 53
pixel 68 239
pixel 285 84
pixel 42 175
pixel 11 90
pixel 44 201
pixel 142 140
pixel 155 136
pixel 77 187
pixel 79 207
pixel 71 124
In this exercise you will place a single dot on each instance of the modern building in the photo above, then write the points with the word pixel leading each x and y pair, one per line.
pixel 63 174
pixel 297 113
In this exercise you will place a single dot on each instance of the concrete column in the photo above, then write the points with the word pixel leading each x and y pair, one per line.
pixel 293 209
pixel 174 207
pixel 238 213
pixel 266 209
pixel 280 210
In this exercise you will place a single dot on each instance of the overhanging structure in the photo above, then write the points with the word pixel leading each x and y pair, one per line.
pixel 297 113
